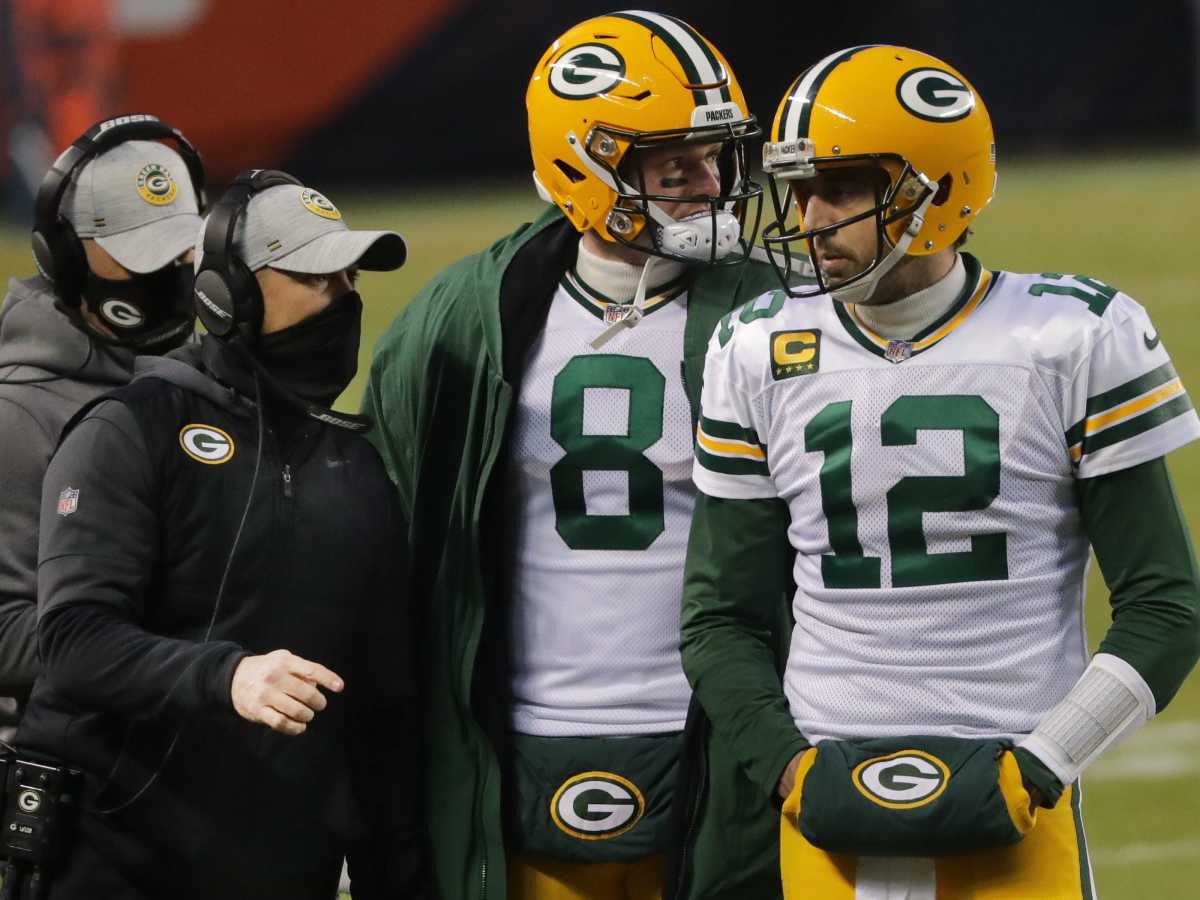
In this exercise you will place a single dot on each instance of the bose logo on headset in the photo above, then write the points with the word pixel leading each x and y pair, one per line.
pixel 212 307
pixel 126 120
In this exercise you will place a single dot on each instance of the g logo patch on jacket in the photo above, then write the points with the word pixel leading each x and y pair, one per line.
pixel 597 806
pixel 206 444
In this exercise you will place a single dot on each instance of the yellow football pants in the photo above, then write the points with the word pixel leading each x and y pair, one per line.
pixel 1051 863
pixel 534 877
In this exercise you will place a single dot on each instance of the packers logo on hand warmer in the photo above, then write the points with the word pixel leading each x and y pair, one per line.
pixel 597 806
pixel 902 780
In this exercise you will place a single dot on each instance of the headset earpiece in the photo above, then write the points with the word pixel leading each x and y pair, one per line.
pixel 228 297
pixel 57 250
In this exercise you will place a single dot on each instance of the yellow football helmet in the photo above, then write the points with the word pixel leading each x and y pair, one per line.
pixel 624 82
pixel 903 111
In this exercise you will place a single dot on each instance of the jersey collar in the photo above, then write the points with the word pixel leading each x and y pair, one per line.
pixel 598 304
pixel 977 288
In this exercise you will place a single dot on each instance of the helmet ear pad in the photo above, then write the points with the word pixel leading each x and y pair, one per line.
pixel 229 300
pixel 60 258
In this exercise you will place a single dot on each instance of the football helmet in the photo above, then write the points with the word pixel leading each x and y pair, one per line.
pixel 904 112
pixel 620 83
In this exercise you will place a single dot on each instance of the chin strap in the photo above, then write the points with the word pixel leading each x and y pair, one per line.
pixel 636 310
pixel 861 290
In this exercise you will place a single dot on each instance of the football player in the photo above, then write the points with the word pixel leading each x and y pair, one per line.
pixel 536 407
pixel 941 442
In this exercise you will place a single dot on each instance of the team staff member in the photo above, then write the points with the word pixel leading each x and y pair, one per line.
pixel 222 621
pixel 536 408
pixel 947 441
pixel 115 217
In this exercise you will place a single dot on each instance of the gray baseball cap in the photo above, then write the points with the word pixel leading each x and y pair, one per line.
pixel 297 229
pixel 138 202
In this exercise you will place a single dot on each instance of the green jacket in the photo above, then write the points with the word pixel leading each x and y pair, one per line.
pixel 442 390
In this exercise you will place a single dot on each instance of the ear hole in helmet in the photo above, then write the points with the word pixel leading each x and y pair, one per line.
pixel 943 191
pixel 573 174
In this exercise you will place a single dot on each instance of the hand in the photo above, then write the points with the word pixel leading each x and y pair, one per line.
pixel 1035 795
pixel 280 690
pixel 787 781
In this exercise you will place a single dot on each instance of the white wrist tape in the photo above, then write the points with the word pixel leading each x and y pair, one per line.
pixel 1108 703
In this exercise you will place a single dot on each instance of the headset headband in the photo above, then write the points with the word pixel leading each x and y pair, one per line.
pixel 96 140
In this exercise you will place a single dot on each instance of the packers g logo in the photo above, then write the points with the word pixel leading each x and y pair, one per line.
pixel 156 186
pixel 902 780
pixel 934 95
pixel 319 204
pixel 597 806
pixel 206 443
pixel 585 71
pixel 121 314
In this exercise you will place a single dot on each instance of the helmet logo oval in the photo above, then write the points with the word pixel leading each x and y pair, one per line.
pixel 585 71
pixel 935 95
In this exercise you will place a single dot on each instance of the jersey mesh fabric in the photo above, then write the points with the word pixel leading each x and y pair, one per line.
pixel 989 651
pixel 595 632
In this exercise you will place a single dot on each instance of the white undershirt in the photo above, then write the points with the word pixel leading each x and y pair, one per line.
pixel 617 279
pixel 905 318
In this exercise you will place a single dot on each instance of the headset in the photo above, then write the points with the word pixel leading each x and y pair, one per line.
pixel 57 250
pixel 229 301
pixel 228 298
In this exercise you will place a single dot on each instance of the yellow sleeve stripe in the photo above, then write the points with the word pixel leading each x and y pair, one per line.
pixel 1131 408
pixel 726 447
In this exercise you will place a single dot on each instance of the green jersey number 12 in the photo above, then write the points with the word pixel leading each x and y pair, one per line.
pixel 911 562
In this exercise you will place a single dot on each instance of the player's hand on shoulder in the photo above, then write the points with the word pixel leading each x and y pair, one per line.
pixel 281 690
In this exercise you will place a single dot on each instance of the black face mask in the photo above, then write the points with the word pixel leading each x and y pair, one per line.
pixel 317 357
pixel 151 313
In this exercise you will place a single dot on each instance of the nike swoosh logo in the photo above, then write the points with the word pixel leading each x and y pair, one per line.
pixel 1151 342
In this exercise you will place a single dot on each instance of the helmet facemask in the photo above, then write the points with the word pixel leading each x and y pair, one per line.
pixel 714 235
pixel 902 197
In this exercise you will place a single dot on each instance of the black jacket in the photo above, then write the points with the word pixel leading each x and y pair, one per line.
pixel 155 498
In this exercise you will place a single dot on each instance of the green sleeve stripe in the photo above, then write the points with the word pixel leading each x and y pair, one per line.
pixel 1118 395
pixel 730 431
pixel 1137 425
pixel 726 465
pixel 1130 389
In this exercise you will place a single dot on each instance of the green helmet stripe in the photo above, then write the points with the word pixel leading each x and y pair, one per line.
pixel 795 119
pixel 694 60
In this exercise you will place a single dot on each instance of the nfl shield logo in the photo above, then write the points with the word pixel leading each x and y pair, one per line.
pixel 68 501
pixel 616 312
pixel 898 351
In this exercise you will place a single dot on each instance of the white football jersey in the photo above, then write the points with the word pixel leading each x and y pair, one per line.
pixel 602 460
pixel 940 558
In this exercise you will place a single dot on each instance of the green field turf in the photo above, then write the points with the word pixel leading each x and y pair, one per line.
pixel 1130 222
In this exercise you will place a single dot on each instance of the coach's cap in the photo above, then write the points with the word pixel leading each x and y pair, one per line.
pixel 297 229
pixel 138 202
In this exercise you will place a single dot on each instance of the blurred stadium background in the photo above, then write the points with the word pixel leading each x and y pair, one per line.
pixel 411 116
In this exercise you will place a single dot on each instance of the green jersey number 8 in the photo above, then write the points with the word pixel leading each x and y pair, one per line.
pixel 646 389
